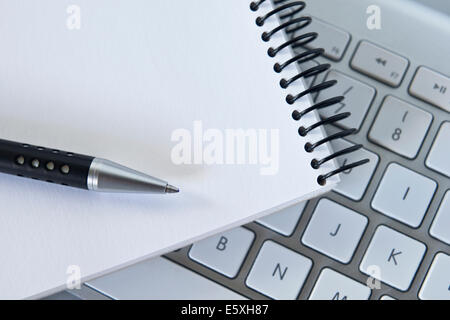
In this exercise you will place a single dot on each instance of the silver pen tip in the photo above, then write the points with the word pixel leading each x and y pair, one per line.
pixel 171 189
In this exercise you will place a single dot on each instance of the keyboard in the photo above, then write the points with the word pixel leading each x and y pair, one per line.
pixel 384 232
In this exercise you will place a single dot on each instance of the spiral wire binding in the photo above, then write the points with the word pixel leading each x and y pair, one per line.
pixel 288 9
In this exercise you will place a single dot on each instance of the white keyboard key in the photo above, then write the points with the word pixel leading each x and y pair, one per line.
pixel 331 38
pixel 332 285
pixel 278 272
pixel 404 195
pixel 284 221
pixel 439 156
pixel 400 127
pixel 334 230
pixel 160 279
pixel 224 252
pixel 354 182
pixel 431 87
pixel 440 229
pixel 379 63
pixel 386 297
pixel 437 281
pixel 393 258
pixel 358 99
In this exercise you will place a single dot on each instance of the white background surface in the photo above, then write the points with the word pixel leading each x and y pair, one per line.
pixel 117 89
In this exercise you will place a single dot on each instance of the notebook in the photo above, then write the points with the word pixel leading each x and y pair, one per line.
pixel 182 90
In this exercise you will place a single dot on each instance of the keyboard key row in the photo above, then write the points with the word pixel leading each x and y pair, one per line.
pixel 279 272
pixel 390 68
pixel 381 64
pixel 399 126
pixel 402 128
pixel 336 232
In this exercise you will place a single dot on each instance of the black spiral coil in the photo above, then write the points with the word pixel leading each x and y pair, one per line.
pixel 287 11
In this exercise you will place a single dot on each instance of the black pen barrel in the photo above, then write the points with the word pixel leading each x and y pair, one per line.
pixel 44 164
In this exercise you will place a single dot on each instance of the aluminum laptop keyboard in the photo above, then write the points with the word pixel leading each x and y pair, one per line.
pixel 388 220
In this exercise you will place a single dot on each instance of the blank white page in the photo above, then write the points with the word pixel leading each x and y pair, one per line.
pixel 118 88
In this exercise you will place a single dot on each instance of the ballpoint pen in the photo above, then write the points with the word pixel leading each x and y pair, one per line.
pixel 75 170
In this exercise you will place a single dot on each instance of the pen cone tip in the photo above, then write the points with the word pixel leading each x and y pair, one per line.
pixel 172 189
